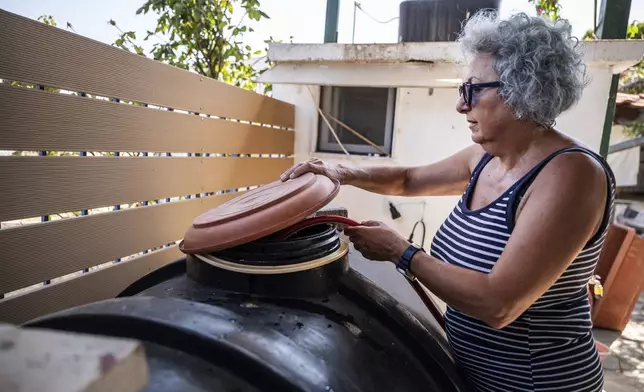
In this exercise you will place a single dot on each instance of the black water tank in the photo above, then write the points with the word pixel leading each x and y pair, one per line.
pixel 437 20
pixel 200 338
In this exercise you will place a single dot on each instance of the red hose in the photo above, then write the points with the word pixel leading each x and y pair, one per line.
pixel 431 306
pixel 429 302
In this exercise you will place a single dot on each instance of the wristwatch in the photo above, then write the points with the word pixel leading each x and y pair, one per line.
pixel 404 263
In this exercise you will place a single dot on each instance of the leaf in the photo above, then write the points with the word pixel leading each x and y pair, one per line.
pixel 119 42
pixel 634 29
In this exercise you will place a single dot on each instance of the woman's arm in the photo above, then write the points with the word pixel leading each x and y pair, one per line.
pixel 561 213
pixel 446 177
pixel 560 216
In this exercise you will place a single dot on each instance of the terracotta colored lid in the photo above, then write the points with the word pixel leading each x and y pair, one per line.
pixel 259 212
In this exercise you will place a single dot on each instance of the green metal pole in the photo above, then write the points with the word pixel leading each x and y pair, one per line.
pixel 331 21
pixel 610 115
pixel 613 19
pixel 613 22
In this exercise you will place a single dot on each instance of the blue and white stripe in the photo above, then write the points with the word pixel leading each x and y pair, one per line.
pixel 550 347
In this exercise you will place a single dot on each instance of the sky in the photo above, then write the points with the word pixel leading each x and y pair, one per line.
pixel 301 19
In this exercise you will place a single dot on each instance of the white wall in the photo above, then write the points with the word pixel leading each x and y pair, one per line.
pixel 626 163
pixel 427 128
pixel 585 121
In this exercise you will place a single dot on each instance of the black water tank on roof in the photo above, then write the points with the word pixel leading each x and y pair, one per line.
pixel 437 20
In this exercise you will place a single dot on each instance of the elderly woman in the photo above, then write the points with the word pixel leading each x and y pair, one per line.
pixel 513 259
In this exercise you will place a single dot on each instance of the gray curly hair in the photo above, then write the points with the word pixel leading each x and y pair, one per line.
pixel 539 63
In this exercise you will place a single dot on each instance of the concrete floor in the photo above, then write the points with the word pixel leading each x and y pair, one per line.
pixel 624 366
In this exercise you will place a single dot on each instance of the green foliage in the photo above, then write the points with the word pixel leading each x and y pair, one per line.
pixel 635 130
pixel 48 20
pixel 126 39
pixel 547 8
pixel 268 87
pixel 631 81
pixel 204 36
pixel 635 31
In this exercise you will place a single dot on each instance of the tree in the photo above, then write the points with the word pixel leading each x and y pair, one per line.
pixel 204 36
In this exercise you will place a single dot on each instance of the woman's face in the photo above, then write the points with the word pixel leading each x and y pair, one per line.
pixel 488 116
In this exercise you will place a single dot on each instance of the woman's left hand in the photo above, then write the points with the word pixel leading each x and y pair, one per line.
pixel 376 241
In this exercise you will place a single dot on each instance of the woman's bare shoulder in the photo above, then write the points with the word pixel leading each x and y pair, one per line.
pixel 572 165
pixel 578 163
pixel 577 173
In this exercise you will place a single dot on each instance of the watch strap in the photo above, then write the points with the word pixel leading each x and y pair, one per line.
pixel 404 263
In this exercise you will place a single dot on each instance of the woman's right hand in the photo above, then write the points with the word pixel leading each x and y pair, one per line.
pixel 316 166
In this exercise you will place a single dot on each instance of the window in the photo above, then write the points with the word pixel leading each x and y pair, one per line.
pixel 367 110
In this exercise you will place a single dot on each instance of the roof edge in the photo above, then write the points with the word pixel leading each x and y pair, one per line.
pixel 617 53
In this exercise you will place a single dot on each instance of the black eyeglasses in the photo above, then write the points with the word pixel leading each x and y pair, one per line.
pixel 466 89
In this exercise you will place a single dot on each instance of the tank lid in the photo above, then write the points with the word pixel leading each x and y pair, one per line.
pixel 259 212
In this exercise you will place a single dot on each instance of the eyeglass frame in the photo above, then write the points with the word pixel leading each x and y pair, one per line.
pixel 465 89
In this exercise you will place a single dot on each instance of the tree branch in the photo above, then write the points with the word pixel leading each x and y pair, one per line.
pixel 238 24
pixel 221 42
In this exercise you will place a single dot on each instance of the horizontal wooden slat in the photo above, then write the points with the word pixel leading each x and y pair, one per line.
pixel 34 253
pixel 33 52
pixel 34 120
pixel 90 287
pixel 33 186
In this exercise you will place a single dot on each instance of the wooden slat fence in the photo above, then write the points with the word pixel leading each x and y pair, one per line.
pixel 108 158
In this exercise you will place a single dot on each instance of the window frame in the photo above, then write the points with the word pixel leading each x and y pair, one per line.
pixel 329 103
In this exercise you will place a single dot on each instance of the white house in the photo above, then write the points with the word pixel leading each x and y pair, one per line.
pixel 415 121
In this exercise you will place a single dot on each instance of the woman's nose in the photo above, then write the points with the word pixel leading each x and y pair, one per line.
pixel 461 106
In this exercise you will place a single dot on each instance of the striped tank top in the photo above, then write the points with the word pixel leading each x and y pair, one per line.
pixel 550 347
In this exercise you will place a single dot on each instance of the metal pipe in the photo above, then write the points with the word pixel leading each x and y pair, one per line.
pixel 637 142
pixel 331 21
pixel 355 10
